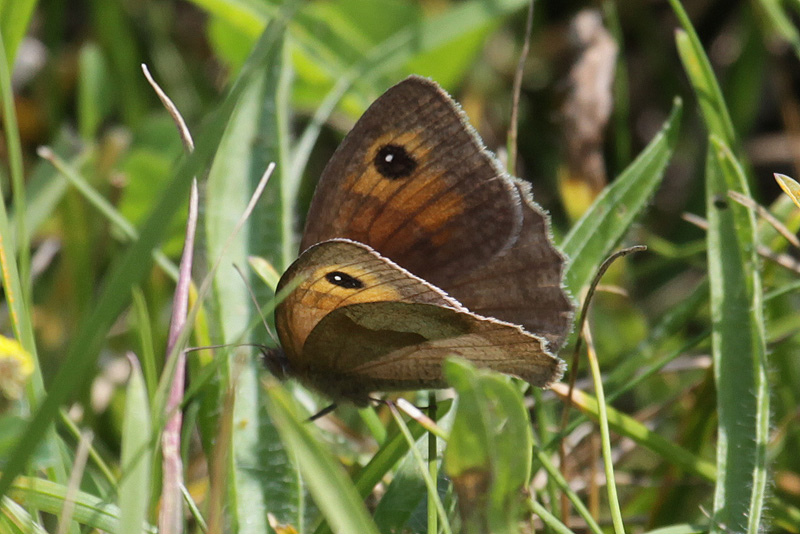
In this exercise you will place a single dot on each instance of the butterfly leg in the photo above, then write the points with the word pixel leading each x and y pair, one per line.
pixel 322 413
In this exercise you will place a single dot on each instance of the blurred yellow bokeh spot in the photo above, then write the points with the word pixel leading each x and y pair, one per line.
pixel 16 366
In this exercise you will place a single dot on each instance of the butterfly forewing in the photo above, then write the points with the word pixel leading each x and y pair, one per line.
pixel 412 181
pixel 521 285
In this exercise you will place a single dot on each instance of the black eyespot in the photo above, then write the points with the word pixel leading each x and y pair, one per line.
pixel 394 162
pixel 344 280
pixel 719 202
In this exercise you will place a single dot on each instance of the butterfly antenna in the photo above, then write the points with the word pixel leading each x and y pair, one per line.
pixel 255 303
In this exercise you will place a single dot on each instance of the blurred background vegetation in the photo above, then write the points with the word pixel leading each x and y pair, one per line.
pixel 289 95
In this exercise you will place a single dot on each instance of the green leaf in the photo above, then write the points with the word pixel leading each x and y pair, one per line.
pixel 738 348
pixel 780 23
pixel 127 272
pixel 115 29
pixel 265 271
pixel 605 223
pixel 136 455
pixel 488 455
pixel 627 426
pixel 45 455
pixel 14 18
pixel 391 451
pixel 440 45
pixel 679 529
pixel 701 75
pixel 257 134
pixel 790 187
pixel 329 485
pixel 14 519
pixel 15 257
pixel 403 495
pixel 248 18
pixel 90 510
pixel 93 93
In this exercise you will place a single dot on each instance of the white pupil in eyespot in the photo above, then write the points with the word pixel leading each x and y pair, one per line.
pixel 337 278
pixel 389 158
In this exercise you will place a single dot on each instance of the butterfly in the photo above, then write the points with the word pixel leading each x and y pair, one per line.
pixel 419 246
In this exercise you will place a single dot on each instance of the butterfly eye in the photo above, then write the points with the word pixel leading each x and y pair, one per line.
pixel 344 280
pixel 394 162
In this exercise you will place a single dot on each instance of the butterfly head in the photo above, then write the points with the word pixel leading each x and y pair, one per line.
pixel 275 361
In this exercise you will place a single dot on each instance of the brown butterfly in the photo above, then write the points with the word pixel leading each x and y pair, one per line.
pixel 419 246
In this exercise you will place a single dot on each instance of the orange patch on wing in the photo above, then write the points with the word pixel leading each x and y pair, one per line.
pixel 376 221
pixel 315 298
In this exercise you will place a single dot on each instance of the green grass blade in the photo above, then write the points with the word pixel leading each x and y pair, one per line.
pixel 116 31
pixel 14 19
pixel 605 223
pixel 627 426
pixel 146 348
pixel 330 486
pixel 257 135
pixel 15 266
pixel 679 529
pixel 404 495
pixel 92 95
pixel 436 508
pixel 86 345
pixel 128 271
pixel 16 258
pixel 90 510
pixel 790 187
pixel 489 447
pixel 14 147
pixel 136 456
pixel 785 515
pixel 44 187
pixel 558 479
pixel 701 75
pixel 550 520
pixel 105 207
pixel 248 17
pixel 620 114
pixel 605 437
pixel 14 519
pixel 780 23
pixel 391 452
pixel 738 348
pixel 332 52
pixel 388 455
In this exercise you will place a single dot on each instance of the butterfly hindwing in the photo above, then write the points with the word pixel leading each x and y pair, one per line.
pixel 337 273
pixel 376 326
pixel 393 346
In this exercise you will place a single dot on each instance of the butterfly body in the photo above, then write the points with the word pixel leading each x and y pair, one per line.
pixel 418 246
